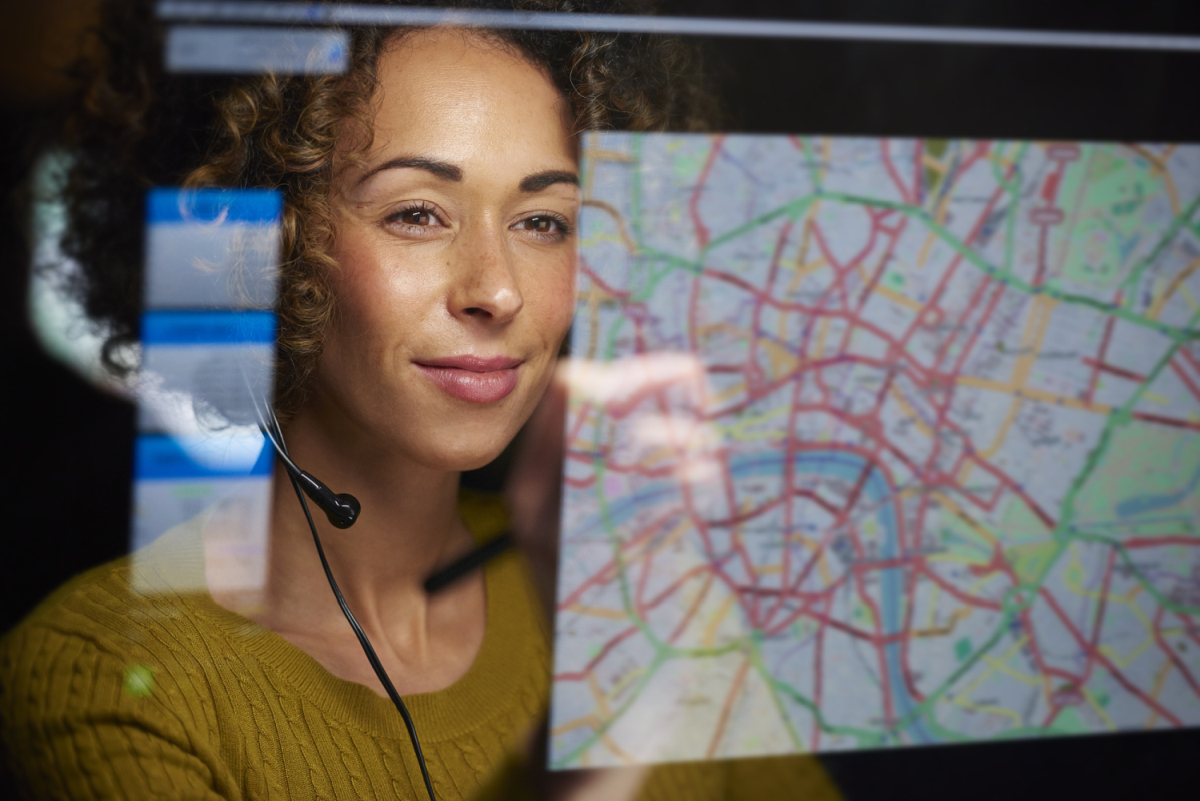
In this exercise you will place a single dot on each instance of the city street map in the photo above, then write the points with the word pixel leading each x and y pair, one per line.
pixel 878 442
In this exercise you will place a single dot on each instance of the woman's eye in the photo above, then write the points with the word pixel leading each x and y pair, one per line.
pixel 544 225
pixel 419 217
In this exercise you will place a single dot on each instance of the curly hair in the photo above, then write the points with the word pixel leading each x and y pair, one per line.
pixel 131 126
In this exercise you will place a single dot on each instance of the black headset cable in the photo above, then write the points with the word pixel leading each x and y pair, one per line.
pixel 363 640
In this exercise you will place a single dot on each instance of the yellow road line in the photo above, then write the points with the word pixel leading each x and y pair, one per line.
pixel 1099 710
pixel 995 710
pixel 1160 301
pixel 1159 680
pixel 620 753
pixel 1035 394
pixel 596 611
pixel 1159 166
pixel 1009 670
pixel 710 633
pixel 586 721
pixel 598 695
pixel 898 297
pixel 987 674
pixel 1031 340
pixel 954 507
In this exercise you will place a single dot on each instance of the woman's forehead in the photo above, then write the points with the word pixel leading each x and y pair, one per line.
pixel 464 99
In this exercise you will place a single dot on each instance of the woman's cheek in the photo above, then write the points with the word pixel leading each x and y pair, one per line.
pixel 563 298
pixel 382 291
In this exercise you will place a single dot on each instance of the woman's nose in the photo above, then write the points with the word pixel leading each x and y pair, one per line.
pixel 485 276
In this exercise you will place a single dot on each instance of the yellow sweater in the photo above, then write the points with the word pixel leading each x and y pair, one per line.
pixel 107 692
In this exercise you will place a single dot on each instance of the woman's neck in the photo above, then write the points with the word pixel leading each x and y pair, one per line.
pixel 409 525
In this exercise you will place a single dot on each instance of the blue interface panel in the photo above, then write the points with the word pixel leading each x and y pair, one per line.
pixel 208 333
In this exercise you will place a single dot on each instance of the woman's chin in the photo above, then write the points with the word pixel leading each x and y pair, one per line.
pixel 459 451
pixel 466 439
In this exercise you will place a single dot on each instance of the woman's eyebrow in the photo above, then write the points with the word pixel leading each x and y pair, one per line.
pixel 440 169
pixel 539 181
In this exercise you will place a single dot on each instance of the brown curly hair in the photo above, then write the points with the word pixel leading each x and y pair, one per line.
pixel 132 126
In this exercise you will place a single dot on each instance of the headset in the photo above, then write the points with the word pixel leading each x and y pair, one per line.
pixel 342 510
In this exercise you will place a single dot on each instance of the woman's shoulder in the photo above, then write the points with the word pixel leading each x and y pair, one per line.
pixel 119 642
pixel 92 608
pixel 116 608
pixel 101 695
pixel 93 642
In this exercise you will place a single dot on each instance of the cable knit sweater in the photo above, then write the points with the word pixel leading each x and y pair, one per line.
pixel 112 692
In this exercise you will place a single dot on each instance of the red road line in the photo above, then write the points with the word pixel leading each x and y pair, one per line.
pixel 1108 665
pixel 905 192
pixel 736 687
pixel 609 567
pixel 756 322
pixel 893 237
pixel 1016 490
pixel 1150 542
pixel 705 569
pixel 832 622
pixel 1186 379
pixel 1170 652
pixel 918 175
pixel 647 564
pixel 701 182
pixel 600 282
pixel 1117 371
pixel 1191 627
pixel 911 577
pixel 818 683
pixel 790 491
pixel 1101 355
pixel 946 586
pixel 1049 195
pixel 1167 421
pixel 1036 651
pixel 595 660
pixel 691 612
pixel 1189 358
pixel 985 284
pixel 885 680
pixel 952 267
pixel 1101 606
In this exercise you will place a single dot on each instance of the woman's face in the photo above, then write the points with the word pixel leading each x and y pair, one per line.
pixel 456 253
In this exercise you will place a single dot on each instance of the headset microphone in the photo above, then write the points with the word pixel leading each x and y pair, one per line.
pixel 341 508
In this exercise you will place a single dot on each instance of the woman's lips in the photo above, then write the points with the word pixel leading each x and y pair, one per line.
pixel 472 378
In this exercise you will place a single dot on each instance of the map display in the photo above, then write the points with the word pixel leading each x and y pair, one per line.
pixel 878 442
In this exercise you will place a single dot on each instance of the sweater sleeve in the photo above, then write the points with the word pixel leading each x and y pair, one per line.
pixel 77 722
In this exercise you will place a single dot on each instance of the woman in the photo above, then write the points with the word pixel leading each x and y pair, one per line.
pixel 431 200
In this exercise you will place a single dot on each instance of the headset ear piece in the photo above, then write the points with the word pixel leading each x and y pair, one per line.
pixel 347 511
pixel 342 510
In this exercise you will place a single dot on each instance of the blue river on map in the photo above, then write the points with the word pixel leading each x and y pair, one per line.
pixel 1139 505
pixel 877 492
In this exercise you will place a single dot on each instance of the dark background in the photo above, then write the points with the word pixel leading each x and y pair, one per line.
pixel 67 447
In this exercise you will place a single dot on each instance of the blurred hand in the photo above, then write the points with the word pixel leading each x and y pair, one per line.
pixel 625 388
pixel 534 488
pixel 534 496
